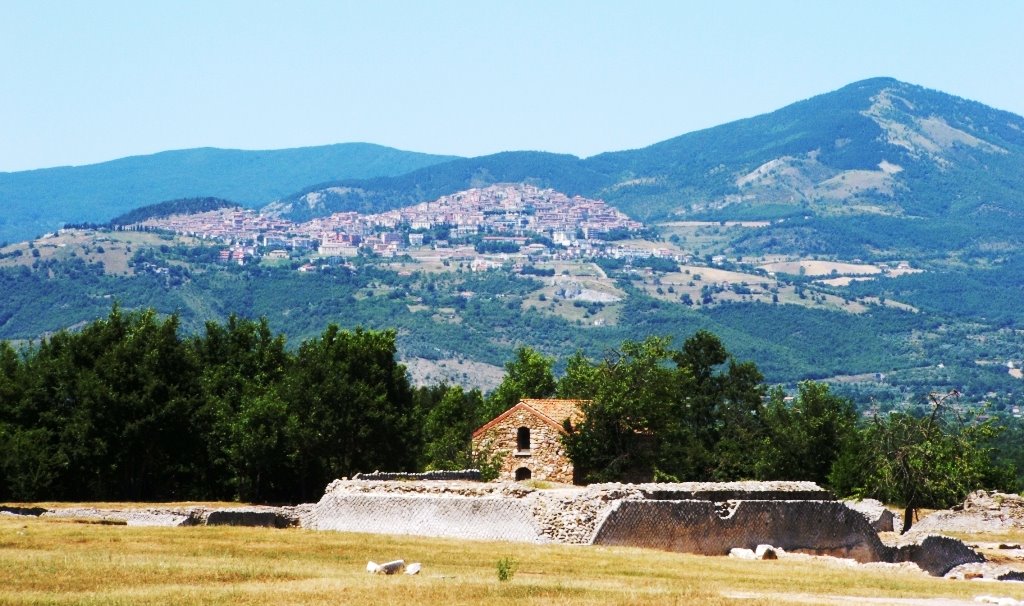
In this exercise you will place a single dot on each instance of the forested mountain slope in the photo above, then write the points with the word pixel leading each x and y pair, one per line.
pixel 39 201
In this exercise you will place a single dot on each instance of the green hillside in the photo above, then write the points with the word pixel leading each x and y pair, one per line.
pixel 564 173
pixel 910 199
pixel 892 338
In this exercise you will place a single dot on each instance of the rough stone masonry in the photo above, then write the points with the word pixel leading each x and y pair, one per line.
pixel 702 518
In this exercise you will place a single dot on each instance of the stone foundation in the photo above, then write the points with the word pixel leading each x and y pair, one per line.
pixel 701 518
pixel 704 527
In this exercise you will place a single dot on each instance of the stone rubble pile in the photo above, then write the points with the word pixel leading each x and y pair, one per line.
pixel 982 511
pixel 430 487
pixel 572 516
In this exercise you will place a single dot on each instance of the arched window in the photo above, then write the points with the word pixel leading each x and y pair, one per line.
pixel 523 473
pixel 523 438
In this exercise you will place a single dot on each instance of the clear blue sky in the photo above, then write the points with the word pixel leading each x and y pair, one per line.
pixel 87 81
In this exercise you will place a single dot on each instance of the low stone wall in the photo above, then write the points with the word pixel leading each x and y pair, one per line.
pixel 705 527
pixel 880 518
pixel 273 517
pixel 462 475
pixel 634 515
pixel 729 491
pixel 130 517
pixel 484 518
pixel 495 511
pixel 268 517
pixel 936 555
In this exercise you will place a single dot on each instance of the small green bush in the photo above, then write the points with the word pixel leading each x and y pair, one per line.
pixel 506 569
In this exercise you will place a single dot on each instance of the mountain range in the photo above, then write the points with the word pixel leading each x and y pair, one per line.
pixel 875 165
pixel 40 201
pixel 867 162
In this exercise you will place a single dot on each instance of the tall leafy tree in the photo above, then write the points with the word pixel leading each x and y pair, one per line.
pixel 930 461
pixel 117 405
pixel 805 437
pixel 352 405
pixel 242 364
pixel 448 429
pixel 654 412
pixel 528 375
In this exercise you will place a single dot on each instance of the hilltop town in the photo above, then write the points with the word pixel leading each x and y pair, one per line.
pixel 499 218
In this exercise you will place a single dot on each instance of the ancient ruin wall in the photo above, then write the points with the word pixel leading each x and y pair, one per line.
pixel 624 515
pixel 704 527
pixel 936 555
pixel 483 518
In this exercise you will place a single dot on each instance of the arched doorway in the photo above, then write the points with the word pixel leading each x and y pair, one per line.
pixel 523 439
pixel 523 473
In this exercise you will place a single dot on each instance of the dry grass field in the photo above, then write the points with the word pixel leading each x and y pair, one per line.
pixel 822 268
pixel 44 561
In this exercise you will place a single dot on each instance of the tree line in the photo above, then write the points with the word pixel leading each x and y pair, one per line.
pixel 126 408
pixel 652 412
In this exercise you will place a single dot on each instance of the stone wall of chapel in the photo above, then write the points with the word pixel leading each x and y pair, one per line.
pixel 546 458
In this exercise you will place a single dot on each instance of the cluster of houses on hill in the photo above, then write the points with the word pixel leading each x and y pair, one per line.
pixel 512 209
pixel 507 213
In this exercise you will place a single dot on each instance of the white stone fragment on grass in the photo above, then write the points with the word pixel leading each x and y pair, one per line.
pixel 742 553
pixel 392 567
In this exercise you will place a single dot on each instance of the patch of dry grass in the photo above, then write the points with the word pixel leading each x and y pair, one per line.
pixel 54 562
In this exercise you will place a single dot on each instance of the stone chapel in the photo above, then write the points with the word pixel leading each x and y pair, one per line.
pixel 529 436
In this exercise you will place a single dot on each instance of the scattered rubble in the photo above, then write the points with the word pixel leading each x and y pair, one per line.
pixel 934 554
pixel 393 567
pixel 763 552
pixel 983 511
pixel 880 518
pixel 988 599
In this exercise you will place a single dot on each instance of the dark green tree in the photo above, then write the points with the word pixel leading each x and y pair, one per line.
pixel 120 408
pixel 448 428
pixel 352 406
pixel 528 375
pixel 579 380
pixel 653 412
pixel 242 364
pixel 934 460
pixel 805 438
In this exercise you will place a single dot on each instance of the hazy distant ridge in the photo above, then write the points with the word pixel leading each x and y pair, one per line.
pixel 42 200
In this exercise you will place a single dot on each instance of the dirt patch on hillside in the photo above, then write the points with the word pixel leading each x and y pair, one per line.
pixel 466 373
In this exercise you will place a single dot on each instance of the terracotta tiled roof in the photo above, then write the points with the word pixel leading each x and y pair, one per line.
pixel 552 411
pixel 557 410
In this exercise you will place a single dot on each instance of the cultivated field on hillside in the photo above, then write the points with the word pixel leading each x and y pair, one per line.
pixel 822 268
pixel 61 562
